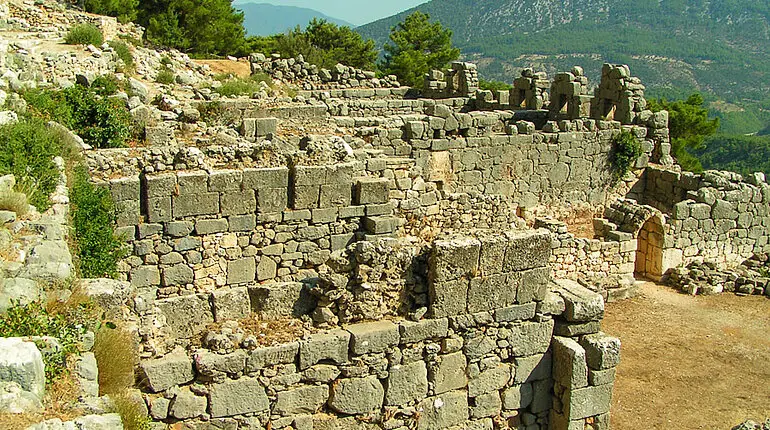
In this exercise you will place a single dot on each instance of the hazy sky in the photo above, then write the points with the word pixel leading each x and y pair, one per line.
pixel 357 12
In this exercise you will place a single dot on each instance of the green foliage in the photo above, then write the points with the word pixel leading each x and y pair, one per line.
pixel 67 324
pixel 130 412
pixel 208 27
pixel 494 85
pixel 123 52
pixel 93 220
pixel 212 112
pixel 742 154
pixel 106 85
pixel 626 150
pixel 165 76
pixel 322 43
pixel 124 10
pixel 239 86
pixel 689 126
pixel 84 34
pixel 27 149
pixel 418 46
pixel 101 122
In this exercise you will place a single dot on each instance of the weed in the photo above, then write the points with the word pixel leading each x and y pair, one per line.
pixel 132 40
pixel 240 86
pixel 115 356
pixel 212 112
pixel 123 52
pixel 165 61
pixel 165 77
pixel 106 85
pixel 14 202
pixel 84 34
pixel 93 219
pixel 130 412
pixel 626 150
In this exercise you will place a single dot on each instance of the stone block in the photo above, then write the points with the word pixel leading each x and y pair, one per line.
pixel 289 299
pixel 530 338
pixel 210 364
pixel 123 189
pixel 372 191
pixel 380 224
pixel 242 223
pixel 587 402
pixel 272 200
pixel 567 329
pixel 335 195
pixel 272 356
pixel 237 397
pixel 601 377
pixel 257 179
pixel 581 304
pixel 188 315
pixel 412 332
pixel 332 346
pixel 266 269
pixel 160 374
pixel 489 380
pixel 569 363
pixel 158 209
pixel 162 185
pixel 492 254
pixel 128 212
pixel 602 351
pixel 518 397
pixel 443 411
pixel 241 271
pixel 179 228
pixel 448 298
pixel 187 405
pixel 454 259
pixel 306 196
pixel 230 304
pixel 527 250
pixel 309 175
pixel 341 241
pixel 302 400
pixel 238 203
pixel 195 204
pixel 145 276
pixel 192 182
pixel 533 284
pixel 491 292
pixel 532 368
pixel 221 181
pixel 406 384
pixel 373 337
pixel 210 226
pixel 448 373
pixel 486 405
pixel 176 275
pixel 324 216
pixel 516 313
pixel 356 395
pixel 21 362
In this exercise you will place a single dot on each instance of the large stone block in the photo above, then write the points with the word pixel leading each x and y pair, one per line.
pixel 272 356
pixel 335 195
pixel 454 259
pixel 532 368
pixel 158 209
pixel 587 402
pixel 406 384
pixel 332 346
pixel 225 181
pixel 145 276
pixel 486 405
pixel 210 364
pixel 448 373
pixel 373 337
pixel 306 196
pixel 163 373
pixel 241 271
pixel 192 182
pixel 309 175
pixel 530 338
pixel 179 274
pixel 21 362
pixel 372 190
pixel 581 303
pixel 602 351
pixel 188 315
pixel 237 397
pixel 257 179
pixel 569 363
pixel 195 204
pixel 187 405
pixel 417 331
pixel 489 380
pixel 448 298
pixel 211 226
pixel 123 189
pixel 230 304
pixel 356 395
pixel 533 284
pixel 527 250
pixel 443 411
pixel 492 254
pixel 303 400
pixel 492 292
pixel 518 397
pixel 238 203
pixel 282 299
pixel 163 185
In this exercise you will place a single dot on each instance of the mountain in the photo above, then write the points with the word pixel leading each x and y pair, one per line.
pixel 717 47
pixel 262 19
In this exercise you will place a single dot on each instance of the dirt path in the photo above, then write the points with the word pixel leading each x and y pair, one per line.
pixel 690 362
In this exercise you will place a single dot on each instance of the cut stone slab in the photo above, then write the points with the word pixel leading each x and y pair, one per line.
pixel 602 351
pixel 374 337
pixel 237 397
pixel 356 395
pixel 163 373
pixel 443 411
pixel 187 405
pixel 19 290
pixel 22 362
pixel 332 346
pixel 406 383
pixel 186 315
pixel 581 303
pixel 282 299
pixel 569 363
pixel 303 400
pixel 448 373
pixel 412 331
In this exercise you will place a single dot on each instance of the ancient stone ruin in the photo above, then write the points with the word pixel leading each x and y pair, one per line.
pixel 359 255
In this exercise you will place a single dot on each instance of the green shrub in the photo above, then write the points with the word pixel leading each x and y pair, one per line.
pixel 212 112
pixel 165 61
pixel 123 52
pixel 84 34
pixel 106 85
pixel 101 122
pixel 626 150
pixel 27 149
pixel 241 86
pixel 93 220
pixel 165 77
pixel 68 323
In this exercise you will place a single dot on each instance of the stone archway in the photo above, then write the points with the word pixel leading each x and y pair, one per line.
pixel 649 251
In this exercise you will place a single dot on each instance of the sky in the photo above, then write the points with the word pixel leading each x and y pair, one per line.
pixel 356 12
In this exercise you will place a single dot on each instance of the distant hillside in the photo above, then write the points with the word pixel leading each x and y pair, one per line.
pixel 718 47
pixel 262 19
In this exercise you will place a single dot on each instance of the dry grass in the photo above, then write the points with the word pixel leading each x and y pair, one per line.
pixel 115 357
pixel 15 202
pixel 130 412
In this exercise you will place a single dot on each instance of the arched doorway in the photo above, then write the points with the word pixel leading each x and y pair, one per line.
pixel 649 251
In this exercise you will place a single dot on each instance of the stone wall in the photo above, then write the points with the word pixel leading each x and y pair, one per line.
pixel 502 346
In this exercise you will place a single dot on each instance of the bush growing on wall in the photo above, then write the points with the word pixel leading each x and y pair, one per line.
pixel 626 151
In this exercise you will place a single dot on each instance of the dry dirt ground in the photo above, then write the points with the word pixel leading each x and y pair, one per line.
pixel 690 362
pixel 241 69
